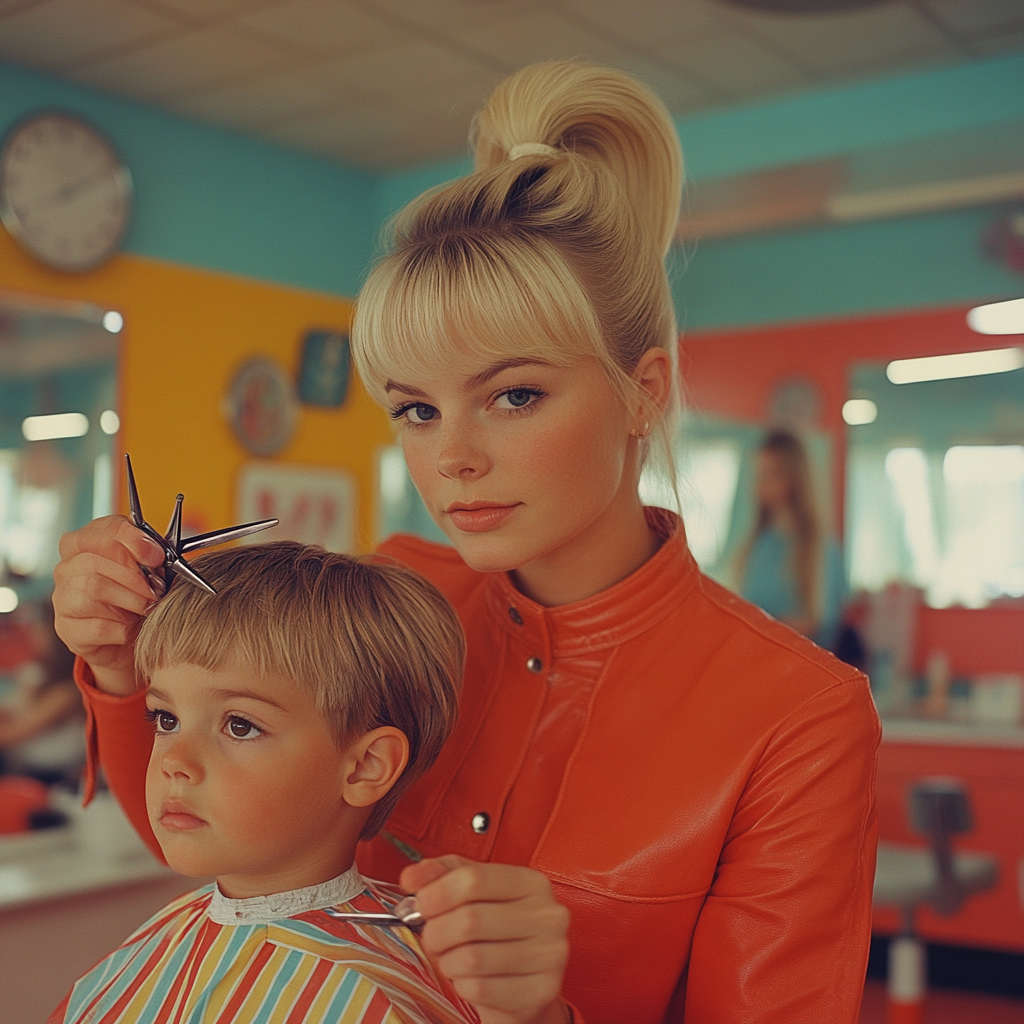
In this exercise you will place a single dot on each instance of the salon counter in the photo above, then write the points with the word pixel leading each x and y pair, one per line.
pixel 68 896
pixel 989 759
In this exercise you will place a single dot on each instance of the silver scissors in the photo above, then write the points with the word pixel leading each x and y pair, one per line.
pixel 409 918
pixel 174 547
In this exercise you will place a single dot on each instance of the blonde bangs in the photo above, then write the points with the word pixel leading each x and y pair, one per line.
pixel 470 298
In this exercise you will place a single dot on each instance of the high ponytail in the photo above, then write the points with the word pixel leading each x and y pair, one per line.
pixel 552 249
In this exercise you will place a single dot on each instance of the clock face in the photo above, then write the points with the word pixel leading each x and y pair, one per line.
pixel 65 193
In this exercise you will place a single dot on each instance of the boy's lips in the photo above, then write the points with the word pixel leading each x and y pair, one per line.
pixel 178 817
pixel 480 516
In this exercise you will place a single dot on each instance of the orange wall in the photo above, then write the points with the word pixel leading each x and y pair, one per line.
pixel 185 333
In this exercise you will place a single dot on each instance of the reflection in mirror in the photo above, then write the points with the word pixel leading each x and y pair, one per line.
pixel 58 421
pixel 935 486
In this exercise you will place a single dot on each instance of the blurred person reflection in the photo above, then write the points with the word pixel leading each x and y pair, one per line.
pixel 787 566
pixel 41 714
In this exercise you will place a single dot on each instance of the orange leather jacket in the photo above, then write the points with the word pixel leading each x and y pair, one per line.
pixel 696 780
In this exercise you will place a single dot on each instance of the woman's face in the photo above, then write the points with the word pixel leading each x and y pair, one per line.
pixel 772 484
pixel 519 459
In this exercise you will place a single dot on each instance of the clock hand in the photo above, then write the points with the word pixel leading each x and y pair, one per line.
pixel 62 195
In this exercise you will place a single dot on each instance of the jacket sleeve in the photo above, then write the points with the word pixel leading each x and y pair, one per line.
pixel 784 932
pixel 119 739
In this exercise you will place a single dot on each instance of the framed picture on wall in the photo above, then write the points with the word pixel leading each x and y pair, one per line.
pixel 316 505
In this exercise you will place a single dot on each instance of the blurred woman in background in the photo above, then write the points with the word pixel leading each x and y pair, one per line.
pixel 787 566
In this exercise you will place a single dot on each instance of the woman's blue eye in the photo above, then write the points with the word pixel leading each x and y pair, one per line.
pixel 416 413
pixel 518 398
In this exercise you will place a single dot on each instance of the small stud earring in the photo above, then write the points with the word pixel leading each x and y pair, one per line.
pixel 641 434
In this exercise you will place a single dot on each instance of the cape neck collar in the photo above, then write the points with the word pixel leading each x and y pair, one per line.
pixel 279 905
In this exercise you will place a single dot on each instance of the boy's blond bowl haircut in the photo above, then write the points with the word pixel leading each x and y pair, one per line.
pixel 373 643
pixel 552 249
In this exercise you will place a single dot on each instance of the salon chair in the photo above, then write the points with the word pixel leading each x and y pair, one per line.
pixel 908 877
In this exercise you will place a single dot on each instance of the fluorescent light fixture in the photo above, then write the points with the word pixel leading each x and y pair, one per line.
pixel 998 317
pixel 49 428
pixel 113 321
pixel 8 599
pixel 857 411
pixel 110 422
pixel 960 364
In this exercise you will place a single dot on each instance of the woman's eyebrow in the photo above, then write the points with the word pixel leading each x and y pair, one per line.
pixel 406 389
pixel 495 368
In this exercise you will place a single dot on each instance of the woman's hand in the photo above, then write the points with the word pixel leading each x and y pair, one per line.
pixel 100 596
pixel 498 933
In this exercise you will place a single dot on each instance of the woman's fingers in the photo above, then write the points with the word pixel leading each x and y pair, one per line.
pixel 113 537
pixel 91 584
pixel 497 932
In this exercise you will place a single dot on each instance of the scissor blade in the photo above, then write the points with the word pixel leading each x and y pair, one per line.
pixel 133 495
pixel 382 920
pixel 173 534
pixel 183 569
pixel 206 540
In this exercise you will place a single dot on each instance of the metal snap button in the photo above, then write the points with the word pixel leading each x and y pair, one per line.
pixel 481 823
pixel 514 615
pixel 535 664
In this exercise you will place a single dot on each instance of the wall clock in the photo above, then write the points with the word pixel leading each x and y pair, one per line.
pixel 65 192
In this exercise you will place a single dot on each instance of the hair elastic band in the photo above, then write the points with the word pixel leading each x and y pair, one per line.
pixel 531 149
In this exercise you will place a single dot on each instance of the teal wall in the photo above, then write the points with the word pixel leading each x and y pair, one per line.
pixel 210 198
pixel 213 199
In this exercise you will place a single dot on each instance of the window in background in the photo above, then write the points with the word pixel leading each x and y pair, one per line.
pixel 935 488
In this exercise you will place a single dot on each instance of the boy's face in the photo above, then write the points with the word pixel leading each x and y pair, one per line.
pixel 245 781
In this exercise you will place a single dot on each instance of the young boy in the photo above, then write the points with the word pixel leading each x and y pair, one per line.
pixel 289 712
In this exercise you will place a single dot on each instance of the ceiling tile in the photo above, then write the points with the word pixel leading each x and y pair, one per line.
pixel 357 128
pixel 656 21
pixel 538 35
pixel 186 63
pixel 837 44
pixel 1000 42
pixel 442 15
pixel 265 100
pixel 322 26
pixel 416 66
pixel 10 6
pixel 54 34
pixel 979 15
pixel 735 65
pixel 206 10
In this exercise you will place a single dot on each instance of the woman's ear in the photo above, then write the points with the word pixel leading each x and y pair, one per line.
pixel 653 374
pixel 373 764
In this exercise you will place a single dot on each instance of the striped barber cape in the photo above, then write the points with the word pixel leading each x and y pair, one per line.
pixel 207 959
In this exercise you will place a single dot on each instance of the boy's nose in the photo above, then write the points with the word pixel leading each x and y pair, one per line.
pixel 180 760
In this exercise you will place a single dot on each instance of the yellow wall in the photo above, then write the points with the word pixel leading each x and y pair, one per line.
pixel 185 333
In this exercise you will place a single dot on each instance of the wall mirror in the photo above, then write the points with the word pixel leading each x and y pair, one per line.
pixel 58 427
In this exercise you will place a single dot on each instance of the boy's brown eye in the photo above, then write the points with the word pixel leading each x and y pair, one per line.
pixel 166 722
pixel 241 729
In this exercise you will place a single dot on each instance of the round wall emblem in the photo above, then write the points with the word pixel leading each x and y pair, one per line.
pixel 261 407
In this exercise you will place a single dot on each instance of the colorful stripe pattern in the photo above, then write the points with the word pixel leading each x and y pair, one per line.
pixel 181 967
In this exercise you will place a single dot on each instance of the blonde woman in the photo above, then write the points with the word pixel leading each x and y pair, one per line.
pixel 657 804
pixel 788 567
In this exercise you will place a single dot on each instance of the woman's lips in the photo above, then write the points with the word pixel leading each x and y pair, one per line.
pixel 479 516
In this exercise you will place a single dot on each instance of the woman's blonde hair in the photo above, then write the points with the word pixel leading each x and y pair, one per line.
pixel 552 249
pixel 372 642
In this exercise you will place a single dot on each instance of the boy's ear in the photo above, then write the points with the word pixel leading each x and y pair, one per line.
pixel 373 764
